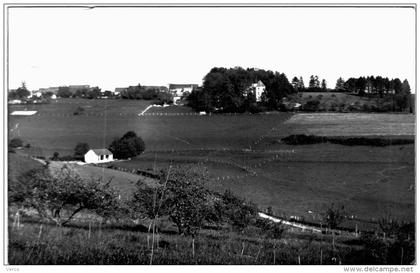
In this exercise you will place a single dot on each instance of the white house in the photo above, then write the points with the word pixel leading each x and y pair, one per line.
pixel 98 156
pixel 37 94
pixel 257 89
pixel 178 90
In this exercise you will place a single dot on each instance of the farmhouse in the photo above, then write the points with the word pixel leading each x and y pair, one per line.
pixel 53 90
pixel 257 89
pixel 74 88
pixel 98 156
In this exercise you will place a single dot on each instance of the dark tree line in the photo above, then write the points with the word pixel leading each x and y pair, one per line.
pixel 227 90
pixel 361 86
pixel 140 92
pixel 88 93
pixel 20 93
pixel 374 85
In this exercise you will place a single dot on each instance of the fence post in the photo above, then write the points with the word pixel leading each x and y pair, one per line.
pixel 40 232
pixel 193 247
pixel 321 258
pixel 274 253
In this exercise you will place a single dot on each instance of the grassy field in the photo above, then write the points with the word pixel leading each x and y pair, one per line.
pixel 49 131
pixel 371 182
pixel 124 182
pixel 113 246
pixel 353 124
pixel 18 165
pixel 244 153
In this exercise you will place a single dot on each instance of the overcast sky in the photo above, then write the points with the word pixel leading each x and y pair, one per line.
pixel 120 47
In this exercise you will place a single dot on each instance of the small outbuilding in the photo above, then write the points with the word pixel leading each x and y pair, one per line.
pixel 98 156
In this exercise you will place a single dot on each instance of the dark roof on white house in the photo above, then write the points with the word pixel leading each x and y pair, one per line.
pixel 101 151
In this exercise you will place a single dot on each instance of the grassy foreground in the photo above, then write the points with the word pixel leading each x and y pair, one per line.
pixel 35 243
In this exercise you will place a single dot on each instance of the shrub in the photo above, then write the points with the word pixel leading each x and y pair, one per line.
pixel 374 250
pixel 16 142
pixel 79 111
pixel 81 149
pixel 303 139
pixel 55 156
pixel 237 211
pixel 311 105
pixel 270 229
pixel 334 216
pixel 181 196
pixel 130 145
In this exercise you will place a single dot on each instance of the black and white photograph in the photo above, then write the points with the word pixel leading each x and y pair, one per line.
pixel 210 134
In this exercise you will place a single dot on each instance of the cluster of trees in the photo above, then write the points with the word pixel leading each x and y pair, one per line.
pixel 140 92
pixel 179 196
pixel 314 84
pixel 88 93
pixel 227 90
pixel 20 93
pixel 373 85
pixel 17 143
pixel 128 146
pixel 61 196
pixel 360 86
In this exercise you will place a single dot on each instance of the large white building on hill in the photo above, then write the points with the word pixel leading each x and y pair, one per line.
pixel 257 89
pixel 98 156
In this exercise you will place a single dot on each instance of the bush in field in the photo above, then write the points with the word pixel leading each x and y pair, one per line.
pixel 56 156
pixel 270 229
pixel 79 111
pixel 311 105
pixel 130 145
pixel 303 139
pixel 334 216
pixel 237 211
pixel 81 149
pixel 375 250
pixel 181 196
pixel 16 142
pixel 60 197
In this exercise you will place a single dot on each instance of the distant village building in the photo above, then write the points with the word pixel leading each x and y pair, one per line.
pixel 15 101
pixel 36 93
pixel 178 90
pixel 155 87
pixel 119 90
pixel 98 156
pixel 74 88
pixel 257 89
